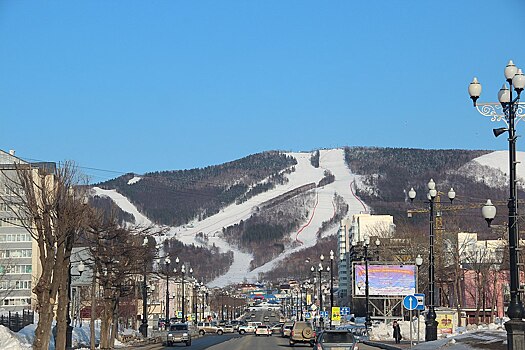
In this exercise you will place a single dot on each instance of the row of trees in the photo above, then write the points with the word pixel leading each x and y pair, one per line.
pixel 51 203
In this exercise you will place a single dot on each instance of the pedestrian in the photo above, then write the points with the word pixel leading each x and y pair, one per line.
pixel 397 332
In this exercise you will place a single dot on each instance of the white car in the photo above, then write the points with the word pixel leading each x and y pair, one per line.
pixel 263 330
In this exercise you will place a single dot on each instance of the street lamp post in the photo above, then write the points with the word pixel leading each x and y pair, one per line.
pixel 69 330
pixel 144 324
pixel 331 285
pixel 430 321
pixel 509 110
pixel 167 262
pixel 368 319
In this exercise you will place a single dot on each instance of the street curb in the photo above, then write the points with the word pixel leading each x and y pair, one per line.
pixel 381 345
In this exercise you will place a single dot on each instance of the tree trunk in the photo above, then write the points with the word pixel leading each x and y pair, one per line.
pixel 63 302
pixel 92 340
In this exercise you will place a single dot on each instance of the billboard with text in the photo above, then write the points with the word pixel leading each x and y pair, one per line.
pixel 387 280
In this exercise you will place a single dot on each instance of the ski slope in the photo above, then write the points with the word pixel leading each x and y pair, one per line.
pixel 332 160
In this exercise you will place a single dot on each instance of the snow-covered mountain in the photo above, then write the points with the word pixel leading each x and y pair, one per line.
pixel 321 210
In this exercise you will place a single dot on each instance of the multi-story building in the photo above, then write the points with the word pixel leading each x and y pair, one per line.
pixel 356 230
pixel 18 251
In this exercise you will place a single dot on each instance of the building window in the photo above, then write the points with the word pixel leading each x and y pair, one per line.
pixel 15 269
pixel 15 237
pixel 15 253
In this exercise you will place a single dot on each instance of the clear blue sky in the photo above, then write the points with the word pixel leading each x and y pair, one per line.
pixel 136 86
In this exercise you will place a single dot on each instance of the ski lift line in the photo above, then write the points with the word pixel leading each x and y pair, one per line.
pixel 308 223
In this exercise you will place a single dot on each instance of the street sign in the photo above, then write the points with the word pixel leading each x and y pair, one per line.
pixel 420 301
pixel 323 314
pixel 336 314
pixel 345 311
pixel 307 315
pixel 410 302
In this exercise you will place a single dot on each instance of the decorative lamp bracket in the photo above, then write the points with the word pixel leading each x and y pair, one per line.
pixel 497 113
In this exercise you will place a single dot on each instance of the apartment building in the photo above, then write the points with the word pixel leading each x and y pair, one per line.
pixel 19 264
pixel 356 230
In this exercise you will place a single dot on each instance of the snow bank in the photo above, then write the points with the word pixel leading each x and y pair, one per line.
pixel 13 341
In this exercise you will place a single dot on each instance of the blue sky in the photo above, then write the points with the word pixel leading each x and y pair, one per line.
pixel 137 86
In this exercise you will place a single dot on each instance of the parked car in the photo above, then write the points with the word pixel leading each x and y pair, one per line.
pixel 302 332
pixel 336 339
pixel 263 330
pixel 249 328
pixel 228 328
pixel 266 319
pixel 161 323
pixel 276 328
pixel 209 327
pixel 178 333
pixel 286 330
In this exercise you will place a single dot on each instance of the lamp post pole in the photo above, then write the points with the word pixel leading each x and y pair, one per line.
pixel 69 330
pixel 419 262
pixel 430 321
pixel 144 324
pixel 320 269
pixel 167 262
pixel 510 111
pixel 183 272
pixel 368 319
pixel 331 285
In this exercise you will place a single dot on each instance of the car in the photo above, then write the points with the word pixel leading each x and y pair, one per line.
pixel 272 314
pixel 161 323
pixel 178 333
pixel 249 328
pixel 209 327
pixel 263 330
pixel 228 328
pixel 286 330
pixel 266 319
pixel 276 328
pixel 336 339
pixel 358 330
pixel 253 316
pixel 302 332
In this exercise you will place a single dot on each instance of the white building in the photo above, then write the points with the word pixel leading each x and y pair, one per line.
pixel 19 264
pixel 354 231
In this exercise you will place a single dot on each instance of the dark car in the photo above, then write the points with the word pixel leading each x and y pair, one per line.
pixel 178 333
pixel 358 330
pixel 336 339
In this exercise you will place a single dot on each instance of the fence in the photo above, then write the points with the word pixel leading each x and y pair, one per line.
pixel 15 322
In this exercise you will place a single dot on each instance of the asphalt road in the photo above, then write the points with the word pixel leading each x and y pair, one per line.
pixel 243 342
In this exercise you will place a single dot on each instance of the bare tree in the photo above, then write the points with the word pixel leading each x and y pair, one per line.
pixel 49 203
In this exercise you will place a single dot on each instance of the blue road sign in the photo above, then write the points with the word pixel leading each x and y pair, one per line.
pixel 410 302
pixel 345 311
pixel 307 315
pixel 420 301
pixel 323 313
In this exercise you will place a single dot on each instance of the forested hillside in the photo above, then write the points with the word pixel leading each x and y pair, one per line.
pixel 388 172
pixel 176 197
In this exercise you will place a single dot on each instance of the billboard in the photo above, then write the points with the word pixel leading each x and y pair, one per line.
pixel 385 280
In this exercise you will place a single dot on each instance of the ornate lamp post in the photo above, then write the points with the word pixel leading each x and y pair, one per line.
pixel 509 110
pixel 430 322
pixel 167 262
